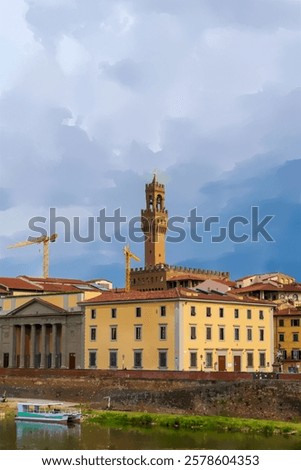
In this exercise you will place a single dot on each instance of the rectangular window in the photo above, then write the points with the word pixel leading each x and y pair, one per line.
pixel 295 322
pixel 261 334
pixel 138 312
pixel 236 313
pixel 137 359
pixel 163 311
pixel 138 333
pixel 208 333
pixel 163 332
pixel 113 359
pixel 249 334
pixel 296 354
pixel 221 312
pixel 93 333
pixel 193 332
pixel 221 333
pixel 162 359
pixel 113 312
pixel 192 311
pixel 295 337
pixel 113 333
pixel 281 322
pixel 261 315
pixel 249 314
pixel 209 359
pixel 281 337
pixel 92 359
pixel 261 359
pixel 208 311
pixel 250 361
pixel 236 334
pixel 93 313
pixel 193 359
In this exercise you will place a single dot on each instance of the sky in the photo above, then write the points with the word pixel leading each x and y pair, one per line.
pixel 96 95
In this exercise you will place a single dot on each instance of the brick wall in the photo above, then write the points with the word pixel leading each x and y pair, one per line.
pixel 130 374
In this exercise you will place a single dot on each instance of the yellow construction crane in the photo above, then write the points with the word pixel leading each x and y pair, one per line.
pixel 128 255
pixel 45 240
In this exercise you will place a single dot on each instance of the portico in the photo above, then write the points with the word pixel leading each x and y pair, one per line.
pixel 39 335
pixel 39 345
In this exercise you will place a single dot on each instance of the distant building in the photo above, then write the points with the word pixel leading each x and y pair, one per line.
pixel 178 329
pixel 156 274
pixel 273 291
pixel 277 277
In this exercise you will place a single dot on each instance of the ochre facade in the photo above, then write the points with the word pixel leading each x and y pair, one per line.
pixel 178 330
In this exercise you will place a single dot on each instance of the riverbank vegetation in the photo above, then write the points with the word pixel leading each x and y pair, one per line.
pixel 200 423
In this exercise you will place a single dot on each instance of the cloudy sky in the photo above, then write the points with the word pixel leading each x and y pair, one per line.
pixel 96 94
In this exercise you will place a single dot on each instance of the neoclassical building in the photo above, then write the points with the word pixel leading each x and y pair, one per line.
pixel 40 334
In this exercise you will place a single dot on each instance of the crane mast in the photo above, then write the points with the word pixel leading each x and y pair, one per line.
pixel 45 240
pixel 128 255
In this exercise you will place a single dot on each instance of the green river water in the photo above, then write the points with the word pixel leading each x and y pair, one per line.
pixel 26 435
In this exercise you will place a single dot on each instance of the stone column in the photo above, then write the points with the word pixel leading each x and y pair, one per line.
pixel 1 342
pixel 32 346
pixel 53 352
pixel 22 347
pixel 43 346
pixel 12 335
pixel 63 346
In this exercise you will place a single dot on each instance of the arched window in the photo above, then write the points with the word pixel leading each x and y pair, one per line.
pixel 159 203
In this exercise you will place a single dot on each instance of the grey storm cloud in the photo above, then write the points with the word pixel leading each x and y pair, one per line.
pixel 50 19
pixel 206 92
pixel 126 72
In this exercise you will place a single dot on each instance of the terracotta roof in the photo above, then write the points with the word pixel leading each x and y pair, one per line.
pixel 274 273
pixel 38 284
pixel 51 287
pixel 55 280
pixel 16 283
pixel 177 293
pixel 54 284
pixel 296 287
pixel 287 312
pixel 260 286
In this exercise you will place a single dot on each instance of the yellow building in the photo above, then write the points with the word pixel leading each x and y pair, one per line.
pixel 178 329
pixel 287 327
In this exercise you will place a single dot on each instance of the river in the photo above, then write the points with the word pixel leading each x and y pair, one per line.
pixel 85 436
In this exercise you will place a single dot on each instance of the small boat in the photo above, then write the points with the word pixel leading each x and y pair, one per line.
pixel 47 413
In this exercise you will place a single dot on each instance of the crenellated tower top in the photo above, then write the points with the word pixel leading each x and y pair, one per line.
pixel 154 223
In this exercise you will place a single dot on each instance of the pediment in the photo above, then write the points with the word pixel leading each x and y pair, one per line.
pixel 36 307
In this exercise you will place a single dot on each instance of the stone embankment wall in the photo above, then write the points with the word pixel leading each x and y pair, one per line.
pixel 241 395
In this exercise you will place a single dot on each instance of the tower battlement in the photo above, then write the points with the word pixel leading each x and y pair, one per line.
pixel 154 220
pixel 156 274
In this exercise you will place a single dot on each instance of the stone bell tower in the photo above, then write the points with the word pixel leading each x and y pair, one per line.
pixel 154 223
